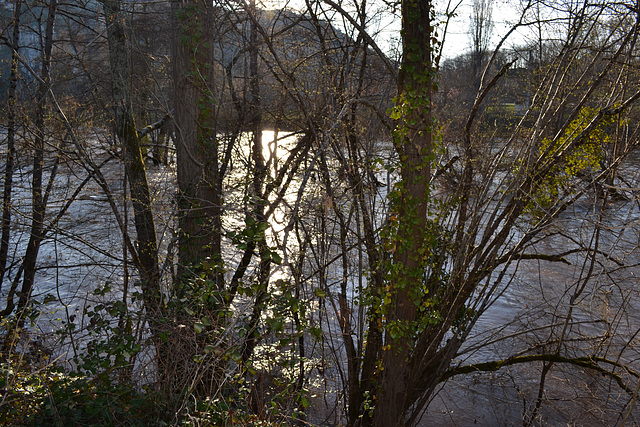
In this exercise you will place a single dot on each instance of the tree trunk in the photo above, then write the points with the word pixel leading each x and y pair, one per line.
pixel 37 199
pixel 258 201
pixel 11 131
pixel 134 163
pixel 409 233
pixel 199 180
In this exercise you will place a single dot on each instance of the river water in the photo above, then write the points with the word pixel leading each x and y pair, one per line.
pixel 86 252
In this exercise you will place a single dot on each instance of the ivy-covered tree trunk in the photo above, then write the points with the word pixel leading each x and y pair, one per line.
pixel 147 254
pixel 408 231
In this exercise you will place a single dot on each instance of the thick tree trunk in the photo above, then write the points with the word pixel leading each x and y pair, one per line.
pixel 199 185
pixel 199 180
pixel 409 240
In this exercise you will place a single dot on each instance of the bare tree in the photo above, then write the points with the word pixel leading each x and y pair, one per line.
pixel 367 248
pixel 476 225
pixel 38 192
pixel 480 31
pixel 12 105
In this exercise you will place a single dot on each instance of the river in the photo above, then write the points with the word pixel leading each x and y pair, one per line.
pixel 86 252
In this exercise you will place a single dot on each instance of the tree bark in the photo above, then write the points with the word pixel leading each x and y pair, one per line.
pixel 199 180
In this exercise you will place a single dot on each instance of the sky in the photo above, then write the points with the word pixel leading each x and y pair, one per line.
pixel 457 39
pixel 504 14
